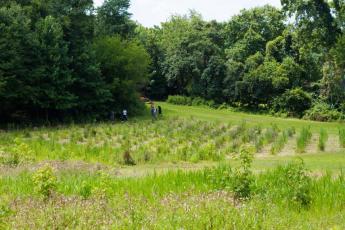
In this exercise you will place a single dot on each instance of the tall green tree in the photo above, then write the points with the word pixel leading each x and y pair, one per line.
pixel 124 68
pixel 113 17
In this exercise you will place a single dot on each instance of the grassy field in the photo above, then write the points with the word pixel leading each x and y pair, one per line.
pixel 252 119
pixel 194 168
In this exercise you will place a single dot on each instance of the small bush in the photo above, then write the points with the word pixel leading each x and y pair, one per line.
pixel 189 101
pixel 322 111
pixel 303 139
pixel 220 177
pixel 322 140
pixel 19 153
pixel 243 179
pixel 290 184
pixel 293 102
pixel 198 101
pixel 179 100
pixel 45 181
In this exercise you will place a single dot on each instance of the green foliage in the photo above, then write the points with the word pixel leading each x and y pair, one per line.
pixel 18 153
pixel 270 135
pixel 123 65
pixel 321 111
pixel 290 184
pixel 63 61
pixel 51 71
pixel 103 187
pixel 303 139
pixel 113 18
pixel 45 181
pixel 85 190
pixel 243 178
pixel 179 100
pixel 294 102
pixel 5 212
pixel 189 101
pixel 314 21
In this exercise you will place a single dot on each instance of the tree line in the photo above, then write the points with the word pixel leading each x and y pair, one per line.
pixel 64 60
pixel 288 61
pixel 67 60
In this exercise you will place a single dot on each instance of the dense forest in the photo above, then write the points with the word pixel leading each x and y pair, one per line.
pixel 66 59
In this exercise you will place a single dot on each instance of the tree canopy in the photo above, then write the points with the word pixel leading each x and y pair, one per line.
pixel 67 59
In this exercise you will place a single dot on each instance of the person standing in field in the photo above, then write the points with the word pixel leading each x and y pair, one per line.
pixel 153 112
pixel 124 115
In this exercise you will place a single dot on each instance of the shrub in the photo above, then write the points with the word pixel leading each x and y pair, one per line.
pixel 303 139
pixel 220 177
pixel 290 183
pixel 189 101
pixel 322 111
pixel 198 101
pixel 179 100
pixel 294 102
pixel 322 139
pixel 45 181
pixel 243 179
pixel 19 153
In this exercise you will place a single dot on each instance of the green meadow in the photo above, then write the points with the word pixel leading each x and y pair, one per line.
pixel 193 168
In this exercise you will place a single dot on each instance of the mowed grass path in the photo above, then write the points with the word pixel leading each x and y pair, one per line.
pixel 252 119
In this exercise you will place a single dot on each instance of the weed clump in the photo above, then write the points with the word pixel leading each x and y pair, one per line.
pixel 342 137
pixel 103 188
pixel 127 159
pixel 280 142
pixel 322 140
pixel 17 154
pixel 303 139
pixel 5 212
pixel 297 184
pixel 85 190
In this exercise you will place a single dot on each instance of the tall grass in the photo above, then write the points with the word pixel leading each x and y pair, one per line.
pixel 182 199
pixel 342 137
pixel 303 139
pixel 323 137
pixel 282 139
